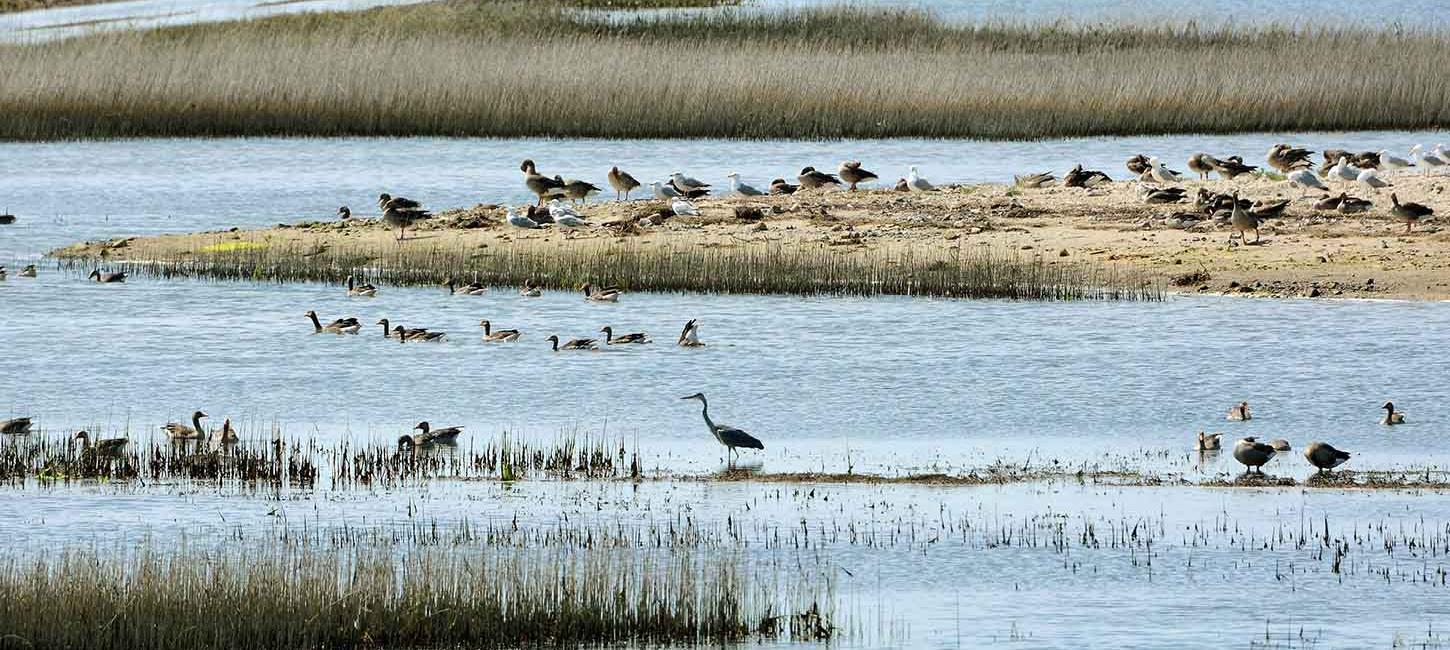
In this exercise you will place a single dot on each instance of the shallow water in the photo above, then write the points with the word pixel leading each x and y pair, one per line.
pixel 63 192
pixel 67 22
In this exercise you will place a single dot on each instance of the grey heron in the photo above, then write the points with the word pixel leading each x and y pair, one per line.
pixel 729 436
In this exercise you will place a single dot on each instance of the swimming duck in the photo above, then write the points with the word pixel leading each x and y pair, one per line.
pixel 1202 164
pixel 542 186
pixel 339 326
pixel 741 189
pixel 916 183
pixel 470 289
pixel 851 172
pixel 689 336
pixel 811 179
pixel 1242 221
pixel 499 336
pixel 605 294
pixel 102 447
pixel 519 221
pixel 1354 205
pixel 445 436
pixel 28 271
pixel 179 431
pixel 1233 167
pixel 15 426
pixel 1392 416
pixel 1138 165
pixel 622 339
pixel 779 186
pixel 405 335
pixel 577 190
pixel 573 344
pixel 1330 203
pixel 107 278
pixel 400 213
pixel 530 290
pixel 1286 158
pixel 1034 181
pixel 622 183
pixel 684 207
pixel 1408 213
pixel 1240 412
pixel 1253 454
pixel 363 290
pixel 1324 456
pixel 1209 441
pixel 2 273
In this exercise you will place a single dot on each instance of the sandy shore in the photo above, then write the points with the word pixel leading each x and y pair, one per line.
pixel 1302 253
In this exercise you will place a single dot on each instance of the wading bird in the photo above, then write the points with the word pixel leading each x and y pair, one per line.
pixel 729 436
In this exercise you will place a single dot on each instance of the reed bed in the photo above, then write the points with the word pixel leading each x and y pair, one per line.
pixel 283 596
pixel 511 69
pixel 7 6
pixel 746 269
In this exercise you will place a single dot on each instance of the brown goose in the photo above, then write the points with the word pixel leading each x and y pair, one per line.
pixel 1202 164
pixel 1242 221
pixel 405 335
pixel 344 213
pixel 1269 209
pixel 388 330
pixel 622 183
pixel 400 213
pixel 602 294
pixel 779 186
pixel 102 447
pixel 1033 181
pixel 1330 203
pixel 497 336
pixel 1079 177
pixel 542 186
pixel 227 435
pixel 1233 167
pixel 1240 412
pixel 339 326
pixel 1161 196
pixel 446 436
pixel 28 271
pixel 811 179
pixel 577 190
pixel 1209 441
pixel 851 172
pixel 107 278
pixel 1408 213
pixel 179 431
pixel 1138 165
pixel 1332 156
pixel 690 336
pixel 573 344
pixel 1354 205
pixel 470 289
pixel 622 339
pixel 1253 454
pixel 15 426
pixel 1286 158
pixel 363 290
pixel 1324 456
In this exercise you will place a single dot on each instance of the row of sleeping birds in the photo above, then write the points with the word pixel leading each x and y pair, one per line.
pixel 1254 454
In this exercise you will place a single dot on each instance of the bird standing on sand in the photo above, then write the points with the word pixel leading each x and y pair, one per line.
pixel 1232 167
pixel 1370 179
pixel 542 186
pixel 741 189
pixel 1253 454
pixel 1287 159
pixel 664 192
pixel 1408 213
pixel 851 172
pixel 1390 162
pixel 1202 164
pixel 811 179
pixel 520 221
pixel 1306 180
pixel 1162 174
pixel 1242 221
pixel 729 436
pixel 1324 456
pixel 1428 161
pixel 622 183
pixel 577 190
pixel 686 184
pixel 400 212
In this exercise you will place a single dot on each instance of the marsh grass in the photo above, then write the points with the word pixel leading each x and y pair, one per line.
pixel 287 596
pixel 744 269
pixel 542 69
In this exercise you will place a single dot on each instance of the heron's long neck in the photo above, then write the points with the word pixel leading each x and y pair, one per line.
pixel 705 413
pixel 316 323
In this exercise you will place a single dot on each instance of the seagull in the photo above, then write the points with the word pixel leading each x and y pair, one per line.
pixel 916 183
pixel 663 192
pixel 520 221
pixel 1390 162
pixel 1371 180
pixel 570 221
pixel 1304 178
pixel 1343 171
pixel 741 188
pixel 688 184
pixel 1430 161
pixel 682 206
pixel 1163 174
pixel 558 209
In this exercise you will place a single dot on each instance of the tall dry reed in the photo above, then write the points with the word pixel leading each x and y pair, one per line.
pixel 526 69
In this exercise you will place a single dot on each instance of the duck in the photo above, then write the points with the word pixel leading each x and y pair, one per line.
pixel 1269 209
pixel 1324 456
pixel 497 336
pixel 1138 165
pixel 405 335
pixel 1202 164
pixel 542 186
pixel 690 335
pixel 1330 203
pixel 741 189
pixel 577 190
pixel 445 436
pixel 1392 417
pixel 1242 221
pixel 400 213
pixel 1354 205
pixel 339 326
pixel 811 179
pixel 684 207
pixel 1287 159
pixel 470 289
pixel 851 172
pixel 687 184
pixel 520 221
pixel 664 192
pixel 1209 441
pixel 1408 213
pixel 102 447
pixel 107 278
pixel 622 339
pixel 1240 412
pixel 363 290
pixel 779 187
pixel 388 331
pixel 344 213
pixel 916 183
pixel 15 426
pixel 179 431
pixel 1079 177
pixel 1306 180
pixel 1370 179
pixel 622 183
pixel 530 290
pixel 573 344
pixel 1233 167
pixel 1253 454
pixel 28 271
pixel 1034 181
pixel 605 294
pixel 2 273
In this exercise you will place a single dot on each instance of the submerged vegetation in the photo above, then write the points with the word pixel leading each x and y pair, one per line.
pixel 479 68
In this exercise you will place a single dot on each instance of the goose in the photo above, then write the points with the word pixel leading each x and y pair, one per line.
pixel 1209 441
pixel 1369 178
pixel 1306 180
pixel 901 186
pixel 364 290
pixel 664 192
pixel 15 426
pixel 851 172
pixel 622 183
pixel 1079 177
pixel 2 273
pixel 1392 416
pixel 400 213
pixel 344 213
pixel 519 221
pixel 1240 412
pixel 102 447
pixel 1332 156
pixel 1330 203
pixel 622 339
pixel 1428 160
pixel 1354 205
pixel 690 335
pixel 1324 456
pixel 28 271
pixel 405 335
pixel 1343 171
pixel 1161 196
pixel 687 184
pixel 1242 221
pixel 542 186
pixel 1138 165
pixel 227 435
pixel 684 207
pixel 811 179
pixel 741 189
pixel 729 436
pixel 779 186
pixel 179 431
pixel 530 290
pixel 1366 160
pixel 497 336
pixel 339 326
pixel 470 289
pixel 1253 454
pixel 916 183
pixel 1233 167
pixel 1280 445
pixel 445 436
pixel 573 344
pixel 388 331
pixel 605 294
pixel 1269 209
pixel 107 278
pixel 1287 159
pixel 1408 213
pixel 577 190
pixel 1390 162
pixel 1202 164
pixel 1164 174
pixel 1034 181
